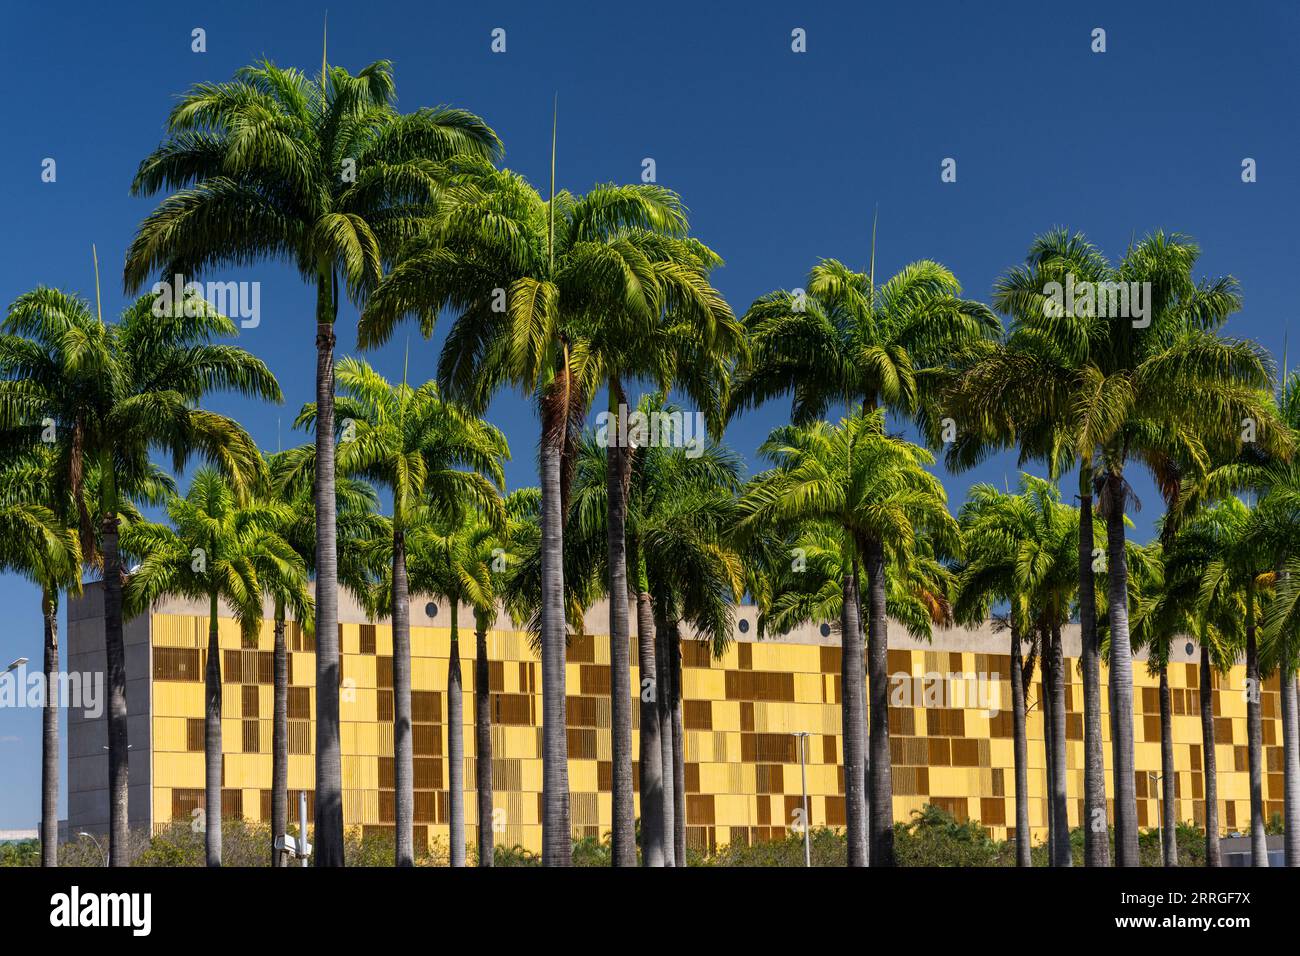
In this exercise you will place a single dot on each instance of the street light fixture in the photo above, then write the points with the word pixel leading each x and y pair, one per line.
pixel 91 838
pixel 1160 833
pixel 802 735
pixel 16 664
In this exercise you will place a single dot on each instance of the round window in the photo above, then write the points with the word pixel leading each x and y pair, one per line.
pixel 431 609
pixel 744 626
pixel 826 630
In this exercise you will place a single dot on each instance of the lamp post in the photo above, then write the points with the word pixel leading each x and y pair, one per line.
pixel 1160 831
pixel 801 735
pixel 91 838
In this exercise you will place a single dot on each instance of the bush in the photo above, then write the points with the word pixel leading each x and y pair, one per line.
pixel 933 837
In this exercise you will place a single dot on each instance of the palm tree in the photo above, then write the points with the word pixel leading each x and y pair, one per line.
pixel 684 510
pixel 1020 549
pixel 995 526
pixel 37 541
pixel 528 280
pixel 1158 385
pixel 1280 507
pixel 221 550
pixel 846 340
pixel 326 175
pixel 1192 537
pixel 111 394
pixel 678 509
pixel 1163 593
pixel 689 338
pixel 1240 575
pixel 292 476
pixel 493 548
pixel 413 443
pixel 444 550
pixel 875 489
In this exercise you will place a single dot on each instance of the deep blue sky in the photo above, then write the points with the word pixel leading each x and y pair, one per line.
pixel 781 157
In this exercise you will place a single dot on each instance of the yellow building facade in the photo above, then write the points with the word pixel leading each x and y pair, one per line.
pixel 950 730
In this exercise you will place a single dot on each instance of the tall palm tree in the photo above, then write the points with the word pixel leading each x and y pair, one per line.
pixel 112 393
pixel 412 442
pixel 221 551
pixel 846 340
pixel 1274 480
pixel 494 551
pixel 1280 506
pixel 325 174
pixel 1192 537
pixel 875 489
pixel 1158 385
pixel 291 480
pixel 444 557
pixel 37 541
pixel 678 331
pixel 1241 575
pixel 678 510
pixel 1019 548
pixel 527 280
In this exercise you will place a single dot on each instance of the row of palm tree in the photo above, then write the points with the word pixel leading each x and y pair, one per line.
pixel 408 216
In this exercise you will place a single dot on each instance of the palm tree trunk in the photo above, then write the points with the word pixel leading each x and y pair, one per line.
pixel 328 850
pixel 119 833
pixel 881 795
pixel 403 744
pixel 1096 837
pixel 1062 853
pixel 1045 705
pixel 623 839
pixel 1121 677
pixel 663 631
pixel 652 773
pixel 1291 771
pixel 1169 806
pixel 1254 736
pixel 557 835
pixel 455 745
pixel 853 721
pixel 279 737
pixel 866 756
pixel 679 755
pixel 483 746
pixel 1021 748
pixel 1208 763
pixel 50 733
pixel 212 741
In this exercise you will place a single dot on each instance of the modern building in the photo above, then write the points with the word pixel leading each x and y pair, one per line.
pixel 951 726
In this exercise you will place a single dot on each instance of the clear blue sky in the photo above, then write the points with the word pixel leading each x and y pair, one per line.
pixel 780 156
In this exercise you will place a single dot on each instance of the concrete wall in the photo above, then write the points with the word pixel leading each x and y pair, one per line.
pixel 87 770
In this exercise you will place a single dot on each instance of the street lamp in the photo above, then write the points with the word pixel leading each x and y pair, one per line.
pixel 1160 833
pixel 91 838
pixel 16 664
pixel 801 735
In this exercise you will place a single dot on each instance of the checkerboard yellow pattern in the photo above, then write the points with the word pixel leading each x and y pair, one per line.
pixel 950 733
